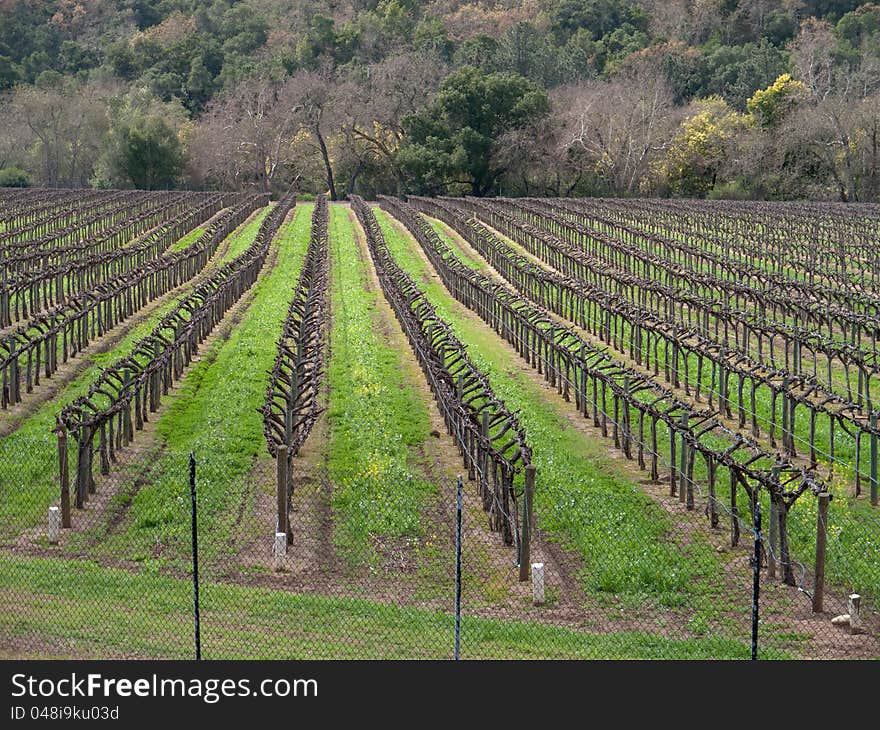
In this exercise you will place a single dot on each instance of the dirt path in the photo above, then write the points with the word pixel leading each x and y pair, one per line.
pixel 13 418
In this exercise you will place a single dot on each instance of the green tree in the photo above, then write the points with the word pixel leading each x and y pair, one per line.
pixel 145 152
pixel 701 147
pixel 14 177
pixel 599 17
pixel 453 141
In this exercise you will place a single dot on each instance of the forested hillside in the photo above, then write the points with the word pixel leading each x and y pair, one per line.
pixel 718 98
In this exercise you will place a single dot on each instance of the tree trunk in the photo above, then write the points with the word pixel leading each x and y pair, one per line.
pixel 327 167
pixel 354 176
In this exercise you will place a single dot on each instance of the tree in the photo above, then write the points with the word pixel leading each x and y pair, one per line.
pixel 838 126
pixel 311 99
pixel 59 126
pixel 769 106
pixel 244 138
pixel 379 99
pixel 142 149
pixel 701 147
pixel 452 142
pixel 599 17
pixel 149 154
pixel 14 177
pixel 617 128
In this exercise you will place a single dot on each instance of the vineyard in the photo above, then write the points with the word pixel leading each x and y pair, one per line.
pixel 652 409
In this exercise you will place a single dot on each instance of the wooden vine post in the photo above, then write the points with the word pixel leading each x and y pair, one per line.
pixel 281 490
pixel 64 477
pixel 821 542
pixel 874 477
pixel 526 537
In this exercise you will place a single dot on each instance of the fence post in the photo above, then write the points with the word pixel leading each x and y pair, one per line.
pixel 774 524
pixel 458 506
pixel 756 580
pixel 526 537
pixel 855 611
pixel 874 478
pixel 279 551
pixel 771 548
pixel 64 477
pixel 683 470
pixel 821 539
pixel 281 463
pixel 195 555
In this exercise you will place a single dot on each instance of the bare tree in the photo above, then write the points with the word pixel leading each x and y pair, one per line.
pixel 311 101
pixel 537 160
pixel 617 127
pixel 838 125
pixel 382 97
pixel 62 125
pixel 245 137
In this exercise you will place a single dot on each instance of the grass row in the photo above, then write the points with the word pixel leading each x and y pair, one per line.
pixel 78 609
pixel 377 420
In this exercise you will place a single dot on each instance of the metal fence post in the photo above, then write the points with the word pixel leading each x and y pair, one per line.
pixel 195 555
pixel 756 580
pixel 458 506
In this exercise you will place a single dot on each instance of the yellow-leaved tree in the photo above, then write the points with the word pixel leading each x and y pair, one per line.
pixel 700 147
pixel 768 107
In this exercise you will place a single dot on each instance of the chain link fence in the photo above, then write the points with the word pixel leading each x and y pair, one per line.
pixel 367 570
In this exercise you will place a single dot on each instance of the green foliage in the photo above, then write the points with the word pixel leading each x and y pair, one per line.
pixel 620 43
pixel 13 176
pixel 736 72
pixel 860 25
pixel 528 52
pixel 598 17
pixel 451 141
pixel 147 153
pixel 700 146
pixel 478 51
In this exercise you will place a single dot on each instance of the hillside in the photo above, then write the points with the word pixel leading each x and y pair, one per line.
pixel 757 98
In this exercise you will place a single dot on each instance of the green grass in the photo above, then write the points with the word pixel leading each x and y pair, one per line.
pixel 214 414
pixel 78 609
pixel 189 239
pixel 475 262
pixel 377 420
pixel 28 459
